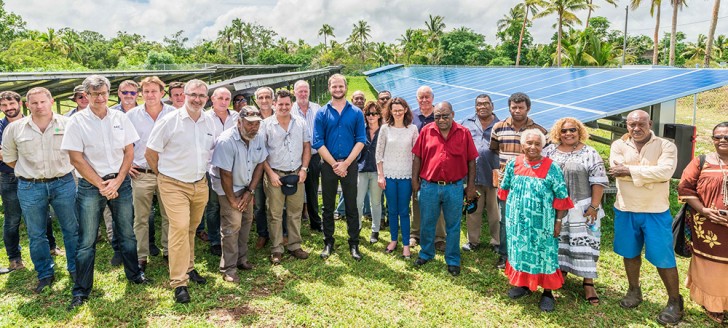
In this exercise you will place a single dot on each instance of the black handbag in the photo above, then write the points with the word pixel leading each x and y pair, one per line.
pixel 681 234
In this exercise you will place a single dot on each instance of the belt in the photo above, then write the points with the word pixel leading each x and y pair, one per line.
pixel 443 183
pixel 286 172
pixel 144 170
pixel 110 176
pixel 46 180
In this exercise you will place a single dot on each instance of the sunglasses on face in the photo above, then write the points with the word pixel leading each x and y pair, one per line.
pixel 127 93
pixel 80 97
pixel 372 114
pixel 385 98
pixel 719 137
pixel 240 101
pixel 572 130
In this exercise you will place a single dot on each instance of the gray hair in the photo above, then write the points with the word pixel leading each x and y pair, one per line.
pixel 301 83
pixel 194 83
pixel 95 82
pixel 530 132
pixel 261 89
pixel 425 89
pixel 219 91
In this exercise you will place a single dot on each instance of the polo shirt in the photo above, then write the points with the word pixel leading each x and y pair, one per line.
pixel 285 147
pixel 231 154
pixel 310 117
pixel 420 120
pixel 101 141
pixel 143 123
pixel 444 160
pixel 339 132
pixel 487 160
pixel 184 146
pixel 37 155
pixel 4 168
pixel 506 141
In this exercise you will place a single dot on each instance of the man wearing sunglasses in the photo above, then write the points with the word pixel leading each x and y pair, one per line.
pixel 128 91
pixel 383 97
pixel 239 102
pixel 80 98
pixel 505 141
pixel 642 165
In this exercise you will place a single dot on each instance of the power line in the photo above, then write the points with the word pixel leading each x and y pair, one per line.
pixel 662 26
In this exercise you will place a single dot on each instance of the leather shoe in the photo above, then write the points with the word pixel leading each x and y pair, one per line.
pixel 142 280
pixel 420 262
pixel 299 254
pixel 632 299
pixel 181 295
pixel 216 250
pixel 276 258
pixel 231 277
pixel 355 252
pixel 196 277
pixel 76 302
pixel 454 270
pixel 154 250
pixel 261 242
pixel 143 265
pixel 16 265
pixel 672 313
pixel 116 259
pixel 440 246
pixel 501 265
pixel 55 251
pixel 245 266
pixel 43 283
pixel 328 249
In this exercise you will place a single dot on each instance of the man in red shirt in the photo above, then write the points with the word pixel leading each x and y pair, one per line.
pixel 444 155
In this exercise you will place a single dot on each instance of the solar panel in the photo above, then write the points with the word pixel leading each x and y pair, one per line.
pixel 585 93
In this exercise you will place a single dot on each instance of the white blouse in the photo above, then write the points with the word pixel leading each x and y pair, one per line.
pixel 394 149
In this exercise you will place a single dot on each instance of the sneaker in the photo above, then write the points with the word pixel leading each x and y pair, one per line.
pixel 469 247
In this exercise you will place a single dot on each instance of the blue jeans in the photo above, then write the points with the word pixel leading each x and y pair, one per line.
pixel 398 192
pixel 212 216
pixel 434 198
pixel 89 206
pixel 11 209
pixel 34 199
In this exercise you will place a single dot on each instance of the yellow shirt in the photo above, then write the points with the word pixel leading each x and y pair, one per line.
pixel 647 189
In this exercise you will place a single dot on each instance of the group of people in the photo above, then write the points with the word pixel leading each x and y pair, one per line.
pixel 541 190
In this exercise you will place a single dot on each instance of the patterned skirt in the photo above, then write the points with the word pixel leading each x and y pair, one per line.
pixel 579 243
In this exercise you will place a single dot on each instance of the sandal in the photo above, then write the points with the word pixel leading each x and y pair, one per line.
pixel 390 250
pixel 547 302
pixel 594 300
pixel 715 316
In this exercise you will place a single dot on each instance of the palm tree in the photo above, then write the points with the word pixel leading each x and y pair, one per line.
pixel 654 12
pixel 593 6
pixel 711 34
pixel 326 30
pixel 515 15
pixel 676 4
pixel 531 6
pixel 237 30
pixel 360 33
pixel 565 11
pixel 695 50
pixel 435 27
pixel 50 39
pixel 225 39
pixel 381 53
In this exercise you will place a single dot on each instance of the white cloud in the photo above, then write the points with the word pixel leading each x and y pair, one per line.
pixel 302 19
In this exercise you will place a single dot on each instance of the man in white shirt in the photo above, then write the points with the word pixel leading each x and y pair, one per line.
pixel 237 169
pixel 144 180
pixel 176 94
pixel 308 109
pixel 32 147
pixel 179 149
pixel 264 100
pixel 99 142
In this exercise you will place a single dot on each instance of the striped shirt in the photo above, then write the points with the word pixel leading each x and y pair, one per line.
pixel 506 141
pixel 310 116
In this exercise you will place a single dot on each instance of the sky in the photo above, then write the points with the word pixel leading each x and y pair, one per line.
pixel 301 19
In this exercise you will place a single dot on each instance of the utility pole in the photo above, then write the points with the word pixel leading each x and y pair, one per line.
pixel 624 44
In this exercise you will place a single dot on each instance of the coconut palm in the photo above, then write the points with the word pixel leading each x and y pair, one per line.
pixel 654 12
pixel 695 50
pixel 564 9
pixel 435 27
pixel 593 6
pixel 532 7
pixel 326 30
pixel 237 30
pixel 711 34
pixel 360 34
pixel 676 4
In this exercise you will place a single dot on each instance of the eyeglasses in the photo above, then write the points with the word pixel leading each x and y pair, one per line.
pixel 198 96
pixel 126 93
pixel 442 116
pixel 572 130
pixel 94 95
pixel 372 114
pixel 718 137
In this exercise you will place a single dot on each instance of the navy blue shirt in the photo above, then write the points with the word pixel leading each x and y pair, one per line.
pixel 487 160
pixel 420 120
pixel 4 168
pixel 339 133
pixel 367 157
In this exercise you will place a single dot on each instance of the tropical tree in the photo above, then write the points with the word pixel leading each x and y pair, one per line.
pixel 592 6
pixel 360 34
pixel 237 30
pixel 564 9
pixel 711 34
pixel 225 39
pixel 51 40
pixel 695 50
pixel 435 27
pixel 326 30
pixel 532 7
pixel 382 54
pixel 676 4
pixel 11 26
pixel 654 12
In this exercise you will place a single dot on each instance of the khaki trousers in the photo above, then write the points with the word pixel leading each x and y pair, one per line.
pixel 143 188
pixel 234 234
pixel 415 227
pixel 489 202
pixel 184 203
pixel 294 208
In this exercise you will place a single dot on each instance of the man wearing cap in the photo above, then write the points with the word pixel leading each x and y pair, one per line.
pixel 236 170
pixel 339 135
pixel 144 181
pixel 239 102
pixel 176 93
pixel 99 142
pixel 307 110
pixel 80 98
pixel 32 147
pixel 179 149
pixel 128 91
pixel 288 142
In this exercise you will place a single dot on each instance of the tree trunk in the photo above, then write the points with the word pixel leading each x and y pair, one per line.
pixel 325 44
pixel 558 44
pixel 588 15
pixel 523 30
pixel 656 46
pixel 673 38
pixel 711 33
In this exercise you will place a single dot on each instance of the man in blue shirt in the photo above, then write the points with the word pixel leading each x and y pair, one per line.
pixel 339 135
pixel 480 126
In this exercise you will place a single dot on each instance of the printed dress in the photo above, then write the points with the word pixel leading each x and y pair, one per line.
pixel 578 242
pixel 533 191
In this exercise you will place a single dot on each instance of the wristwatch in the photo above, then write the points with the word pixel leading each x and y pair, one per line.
pixel 251 191
pixel 304 168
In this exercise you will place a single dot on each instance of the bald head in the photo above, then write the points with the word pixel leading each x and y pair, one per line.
pixel 639 126
pixel 221 99
pixel 444 116
pixel 637 115
pixel 358 98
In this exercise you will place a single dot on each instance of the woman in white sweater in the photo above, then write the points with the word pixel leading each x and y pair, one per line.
pixel 394 170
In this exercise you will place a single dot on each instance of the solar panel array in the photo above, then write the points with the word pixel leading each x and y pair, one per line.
pixel 585 93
